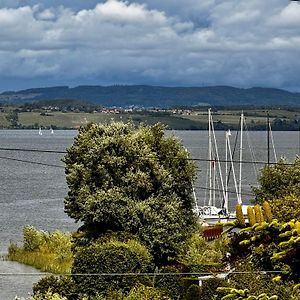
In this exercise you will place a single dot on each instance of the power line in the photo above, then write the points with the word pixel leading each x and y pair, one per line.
pixel 32 150
pixel 144 274
pixel 190 159
pixel 219 190
pixel 31 162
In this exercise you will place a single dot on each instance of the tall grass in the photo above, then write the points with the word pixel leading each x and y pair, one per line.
pixel 49 252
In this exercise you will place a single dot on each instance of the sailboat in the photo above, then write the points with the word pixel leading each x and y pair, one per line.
pixel 51 130
pixel 40 131
pixel 212 213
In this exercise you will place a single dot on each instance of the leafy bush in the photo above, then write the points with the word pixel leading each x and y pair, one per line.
pixel 110 257
pixel 32 238
pixel 146 293
pixel 278 181
pixel 50 252
pixel 196 251
pixel 286 208
pixel 194 293
pixel 63 286
pixel 171 285
pixel 209 288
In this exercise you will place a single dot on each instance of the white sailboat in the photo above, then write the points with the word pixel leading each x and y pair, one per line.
pixel 51 130
pixel 40 131
pixel 212 213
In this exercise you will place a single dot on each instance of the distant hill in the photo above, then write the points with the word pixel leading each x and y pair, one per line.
pixel 158 96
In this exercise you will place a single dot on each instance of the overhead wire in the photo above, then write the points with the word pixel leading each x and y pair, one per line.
pixel 219 190
pixel 31 162
pixel 189 158
pixel 146 274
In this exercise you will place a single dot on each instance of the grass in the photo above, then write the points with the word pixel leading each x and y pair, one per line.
pixel 48 252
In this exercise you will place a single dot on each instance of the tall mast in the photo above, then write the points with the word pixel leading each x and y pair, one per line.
pixel 227 135
pixel 210 157
pixel 233 172
pixel 241 158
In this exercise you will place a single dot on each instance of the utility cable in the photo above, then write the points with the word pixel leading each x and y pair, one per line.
pixel 190 159
pixel 31 162
pixel 143 274
pixel 219 190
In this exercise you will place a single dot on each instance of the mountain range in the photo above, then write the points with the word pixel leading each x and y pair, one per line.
pixel 158 96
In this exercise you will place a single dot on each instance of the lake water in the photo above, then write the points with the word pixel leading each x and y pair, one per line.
pixel 33 194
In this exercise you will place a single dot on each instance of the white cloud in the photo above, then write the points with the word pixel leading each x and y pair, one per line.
pixel 202 42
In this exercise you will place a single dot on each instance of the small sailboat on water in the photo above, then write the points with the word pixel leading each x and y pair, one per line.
pixel 40 131
pixel 51 130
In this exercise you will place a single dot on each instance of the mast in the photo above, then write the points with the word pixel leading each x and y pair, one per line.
pixel 233 172
pixel 210 157
pixel 217 159
pixel 272 141
pixel 227 135
pixel 241 158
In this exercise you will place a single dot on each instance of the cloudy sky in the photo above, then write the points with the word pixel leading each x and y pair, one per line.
pixel 158 42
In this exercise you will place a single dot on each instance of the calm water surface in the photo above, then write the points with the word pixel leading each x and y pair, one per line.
pixel 33 194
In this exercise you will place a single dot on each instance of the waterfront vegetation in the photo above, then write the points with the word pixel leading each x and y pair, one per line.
pixel 49 252
pixel 131 188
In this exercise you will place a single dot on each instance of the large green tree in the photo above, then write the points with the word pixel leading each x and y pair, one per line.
pixel 133 179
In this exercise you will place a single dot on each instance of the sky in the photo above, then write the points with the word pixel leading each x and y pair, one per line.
pixel 157 42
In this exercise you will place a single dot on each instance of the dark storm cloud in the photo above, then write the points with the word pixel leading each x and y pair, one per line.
pixel 188 42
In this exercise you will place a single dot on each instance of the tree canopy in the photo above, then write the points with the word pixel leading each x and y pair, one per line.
pixel 279 180
pixel 133 179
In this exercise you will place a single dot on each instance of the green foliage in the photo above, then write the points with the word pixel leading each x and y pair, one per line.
pixel 106 258
pixel 209 288
pixel 171 285
pixel 123 178
pixel 49 295
pixel 272 246
pixel 146 293
pixel 33 239
pixel 13 118
pixel 278 181
pixel 50 252
pixel 196 251
pixel 286 208
pixel 249 276
pixel 62 285
pixel 193 293
pixel 244 294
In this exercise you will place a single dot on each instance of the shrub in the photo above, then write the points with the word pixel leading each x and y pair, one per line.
pixel 63 286
pixel 50 252
pixel 196 251
pixel 32 238
pixel 171 285
pixel 209 288
pixel 146 293
pixel 193 293
pixel 278 181
pixel 110 257
pixel 286 208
